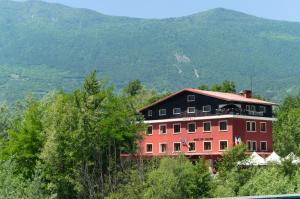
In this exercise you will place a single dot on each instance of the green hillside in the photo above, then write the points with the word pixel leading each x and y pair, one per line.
pixel 49 46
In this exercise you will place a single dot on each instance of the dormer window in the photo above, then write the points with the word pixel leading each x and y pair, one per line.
pixel 162 112
pixel 149 113
pixel 262 109
pixel 176 111
pixel 191 110
pixel 206 108
pixel 191 98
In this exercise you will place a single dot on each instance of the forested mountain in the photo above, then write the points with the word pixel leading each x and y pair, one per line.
pixel 49 46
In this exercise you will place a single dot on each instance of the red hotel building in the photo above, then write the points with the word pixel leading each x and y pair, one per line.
pixel 206 123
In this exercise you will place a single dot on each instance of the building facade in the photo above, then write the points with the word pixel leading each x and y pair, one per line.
pixel 206 123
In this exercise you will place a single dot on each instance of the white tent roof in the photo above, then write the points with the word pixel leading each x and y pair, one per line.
pixel 273 158
pixel 254 159
pixel 295 159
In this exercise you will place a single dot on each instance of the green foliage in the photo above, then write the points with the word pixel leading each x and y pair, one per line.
pixel 268 181
pixel 231 157
pixel 25 141
pixel 13 186
pixel 133 88
pixel 286 130
pixel 226 86
pixel 178 178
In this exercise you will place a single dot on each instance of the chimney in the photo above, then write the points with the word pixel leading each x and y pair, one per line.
pixel 246 93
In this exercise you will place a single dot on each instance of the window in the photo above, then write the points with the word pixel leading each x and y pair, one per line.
pixel 223 145
pixel 223 125
pixel 251 145
pixel 262 109
pixel 206 108
pixel 162 112
pixel 176 147
pixel 252 108
pixel 149 148
pixel 251 126
pixel 176 128
pixel 149 130
pixel 176 111
pixel 247 107
pixel 263 127
pixel 191 98
pixel 191 127
pixel 192 146
pixel 263 146
pixel 163 148
pixel 162 129
pixel 206 126
pixel 207 146
pixel 150 113
pixel 191 110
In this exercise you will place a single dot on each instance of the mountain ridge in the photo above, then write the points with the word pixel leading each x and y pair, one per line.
pixel 166 54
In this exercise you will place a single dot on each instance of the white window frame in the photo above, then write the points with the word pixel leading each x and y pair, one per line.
pixel 173 128
pixel 161 114
pixel 206 111
pixel 191 100
pixel 220 145
pixel 150 113
pixel 247 107
pixel 210 145
pixel 251 126
pixel 159 129
pixel 189 147
pixel 174 113
pixel 209 126
pixel 265 127
pixel 160 148
pixel 252 145
pixel 151 130
pixel 266 145
pixel 252 108
pixel 226 125
pixel 264 109
pixel 146 147
pixel 192 107
pixel 174 147
pixel 188 130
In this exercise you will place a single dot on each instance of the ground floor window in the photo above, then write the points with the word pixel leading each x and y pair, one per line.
pixel 177 147
pixel 163 148
pixel 223 145
pixel 251 145
pixel 149 148
pixel 263 146
pixel 207 146
pixel 192 146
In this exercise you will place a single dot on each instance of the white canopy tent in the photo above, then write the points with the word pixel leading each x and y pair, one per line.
pixel 254 159
pixel 295 159
pixel 273 158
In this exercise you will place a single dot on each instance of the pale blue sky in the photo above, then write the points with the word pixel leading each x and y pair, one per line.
pixel 273 9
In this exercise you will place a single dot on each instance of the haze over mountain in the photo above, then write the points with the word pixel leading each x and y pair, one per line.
pixel 50 46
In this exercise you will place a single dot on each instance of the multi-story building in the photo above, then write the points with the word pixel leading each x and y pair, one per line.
pixel 206 123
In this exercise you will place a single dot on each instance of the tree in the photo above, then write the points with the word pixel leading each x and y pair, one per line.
pixel 87 131
pixel 133 88
pixel 25 141
pixel 227 87
pixel 178 178
pixel 286 130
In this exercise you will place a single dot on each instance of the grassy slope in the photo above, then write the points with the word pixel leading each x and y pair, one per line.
pixel 58 45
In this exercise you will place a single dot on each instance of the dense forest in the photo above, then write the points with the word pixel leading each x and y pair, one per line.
pixel 45 46
pixel 68 145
